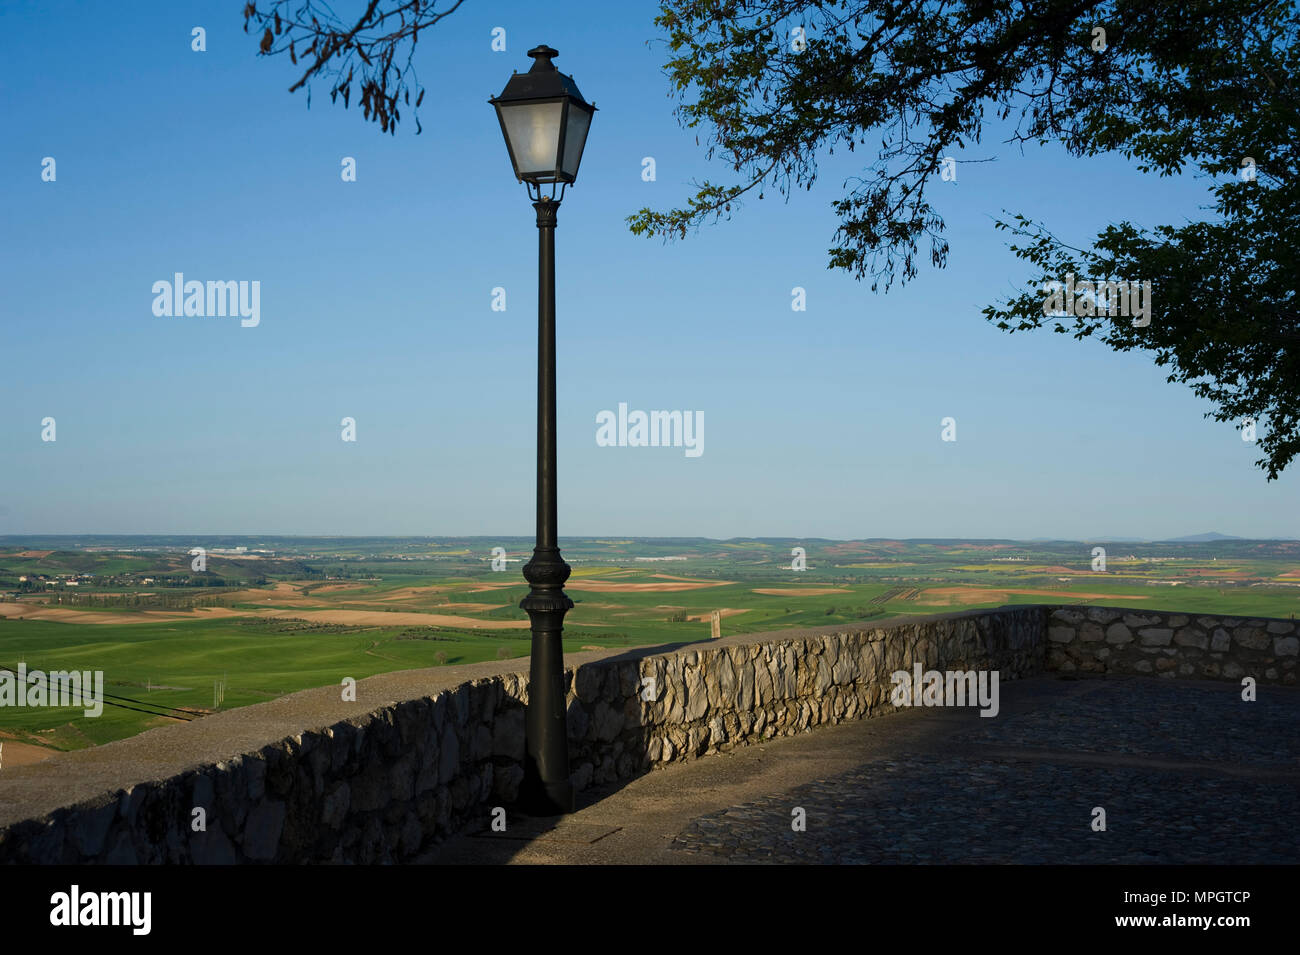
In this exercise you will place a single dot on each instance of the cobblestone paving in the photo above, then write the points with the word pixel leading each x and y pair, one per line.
pixel 953 805
pixel 1160 718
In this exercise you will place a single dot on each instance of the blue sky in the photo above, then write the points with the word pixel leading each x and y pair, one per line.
pixel 376 304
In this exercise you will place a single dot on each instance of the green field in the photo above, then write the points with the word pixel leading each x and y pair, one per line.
pixel 305 614
pixel 256 661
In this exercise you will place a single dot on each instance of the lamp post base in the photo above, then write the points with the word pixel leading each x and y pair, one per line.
pixel 546 789
pixel 547 799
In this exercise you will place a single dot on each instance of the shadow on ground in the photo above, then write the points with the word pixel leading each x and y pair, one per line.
pixel 1185 771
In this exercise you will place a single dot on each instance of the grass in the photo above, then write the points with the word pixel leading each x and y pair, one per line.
pixel 256 661
pixel 261 658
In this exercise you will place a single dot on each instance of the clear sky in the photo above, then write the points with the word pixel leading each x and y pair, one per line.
pixel 375 303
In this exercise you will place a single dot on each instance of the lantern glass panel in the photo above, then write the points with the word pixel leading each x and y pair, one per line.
pixel 575 138
pixel 533 130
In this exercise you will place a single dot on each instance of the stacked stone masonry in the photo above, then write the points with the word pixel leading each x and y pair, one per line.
pixel 384 787
pixel 1102 640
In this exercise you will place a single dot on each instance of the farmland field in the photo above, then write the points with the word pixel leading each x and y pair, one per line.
pixel 285 614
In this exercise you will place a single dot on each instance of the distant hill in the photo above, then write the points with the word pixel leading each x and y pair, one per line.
pixel 1202 538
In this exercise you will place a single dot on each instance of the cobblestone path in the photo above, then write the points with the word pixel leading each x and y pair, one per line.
pixel 1186 773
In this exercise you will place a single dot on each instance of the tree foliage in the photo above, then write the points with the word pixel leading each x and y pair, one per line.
pixel 372 53
pixel 1193 85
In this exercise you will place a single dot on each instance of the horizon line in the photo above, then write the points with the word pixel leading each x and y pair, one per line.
pixel 843 540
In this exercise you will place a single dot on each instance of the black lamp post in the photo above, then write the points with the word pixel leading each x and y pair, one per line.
pixel 545 121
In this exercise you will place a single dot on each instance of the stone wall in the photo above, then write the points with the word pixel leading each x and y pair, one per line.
pixel 384 785
pixel 421 754
pixel 710 698
pixel 1102 640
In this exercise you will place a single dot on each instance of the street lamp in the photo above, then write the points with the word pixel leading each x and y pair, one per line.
pixel 545 120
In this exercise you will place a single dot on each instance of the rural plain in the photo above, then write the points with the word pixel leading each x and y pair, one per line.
pixel 268 616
